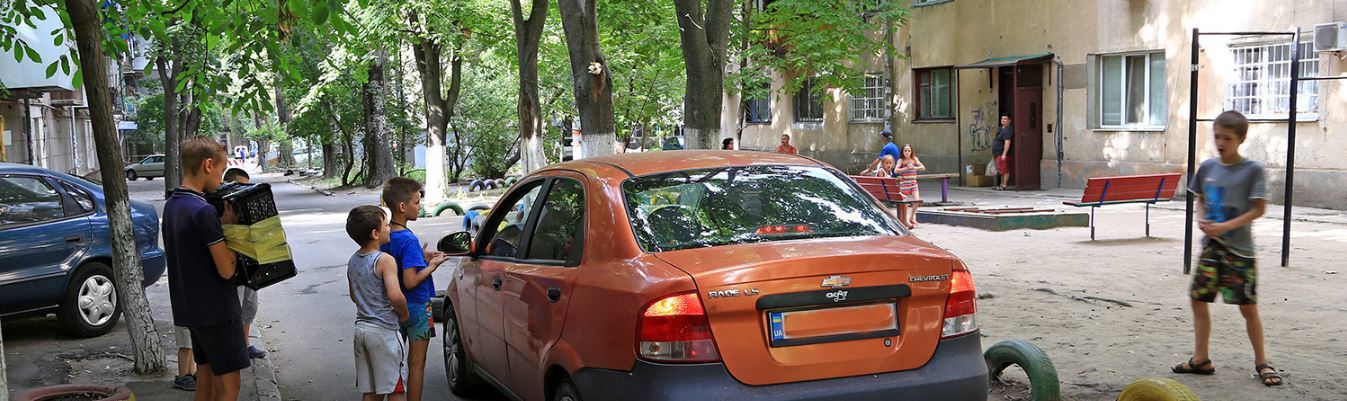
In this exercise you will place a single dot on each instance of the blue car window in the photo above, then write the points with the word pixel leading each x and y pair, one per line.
pixel 81 197
pixel 25 200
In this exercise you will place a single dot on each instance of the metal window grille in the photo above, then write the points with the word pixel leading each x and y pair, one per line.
pixel 758 110
pixel 1261 86
pixel 871 103
pixel 808 103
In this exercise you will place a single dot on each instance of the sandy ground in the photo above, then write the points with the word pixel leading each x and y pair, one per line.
pixel 1056 289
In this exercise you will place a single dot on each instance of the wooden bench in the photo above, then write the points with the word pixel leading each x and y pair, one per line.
pixel 1147 189
pixel 944 183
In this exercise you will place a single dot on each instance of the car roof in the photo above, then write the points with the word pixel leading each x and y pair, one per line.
pixel 645 163
pixel 14 168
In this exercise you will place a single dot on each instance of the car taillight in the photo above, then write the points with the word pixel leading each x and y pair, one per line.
pixel 675 329
pixel 961 306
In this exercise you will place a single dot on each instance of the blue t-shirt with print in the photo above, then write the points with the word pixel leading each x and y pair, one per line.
pixel 406 250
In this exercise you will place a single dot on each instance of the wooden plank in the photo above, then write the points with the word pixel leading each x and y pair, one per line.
pixel 1018 211
pixel 935 176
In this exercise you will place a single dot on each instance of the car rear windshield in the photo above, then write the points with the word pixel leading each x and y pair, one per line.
pixel 734 205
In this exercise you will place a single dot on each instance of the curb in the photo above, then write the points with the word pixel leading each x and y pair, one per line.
pixel 264 385
pixel 315 189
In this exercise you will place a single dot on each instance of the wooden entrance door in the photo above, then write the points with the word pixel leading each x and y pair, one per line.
pixel 1027 147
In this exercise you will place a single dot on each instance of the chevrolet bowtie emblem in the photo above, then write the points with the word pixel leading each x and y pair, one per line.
pixel 836 281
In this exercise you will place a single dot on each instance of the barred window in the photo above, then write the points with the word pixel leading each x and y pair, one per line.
pixel 1261 84
pixel 872 101
pixel 808 102
pixel 935 93
pixel 758 110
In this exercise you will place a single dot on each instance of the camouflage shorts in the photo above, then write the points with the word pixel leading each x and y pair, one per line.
pixel 1219 270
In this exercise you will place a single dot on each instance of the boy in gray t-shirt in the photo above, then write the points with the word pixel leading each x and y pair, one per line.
pixel 1232 193
pixel 380 308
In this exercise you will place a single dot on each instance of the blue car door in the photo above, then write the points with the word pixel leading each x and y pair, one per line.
pixel 42 236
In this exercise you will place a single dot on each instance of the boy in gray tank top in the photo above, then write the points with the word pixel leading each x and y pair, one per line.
pixel 380 308
pixel 1232 193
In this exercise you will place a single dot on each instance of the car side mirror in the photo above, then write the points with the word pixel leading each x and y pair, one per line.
pixel 456 244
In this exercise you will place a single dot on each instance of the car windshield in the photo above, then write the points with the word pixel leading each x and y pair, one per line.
pixel 734 205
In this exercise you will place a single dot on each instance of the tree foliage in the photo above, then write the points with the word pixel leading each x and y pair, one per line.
pixel 829 40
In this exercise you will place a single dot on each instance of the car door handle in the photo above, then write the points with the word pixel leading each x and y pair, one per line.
pixel 74 239
pixel 553 294
pixel 495 283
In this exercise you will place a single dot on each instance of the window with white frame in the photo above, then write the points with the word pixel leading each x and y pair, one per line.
pixel 809 102
pixel 872 99
pixel 1261 83
pixel 1132 90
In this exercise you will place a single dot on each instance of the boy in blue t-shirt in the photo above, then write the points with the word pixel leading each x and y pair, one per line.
pixel 201 272
pixel 1232 193
pixel 403 198
pixel 890 149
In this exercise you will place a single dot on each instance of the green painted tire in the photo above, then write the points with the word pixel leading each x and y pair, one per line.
pixel 446 205
pixel 1157 389
pixel 511 180
pixel 1042 374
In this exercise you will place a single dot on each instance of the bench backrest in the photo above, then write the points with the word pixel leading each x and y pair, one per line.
pixel 1157 187
pixel 883 188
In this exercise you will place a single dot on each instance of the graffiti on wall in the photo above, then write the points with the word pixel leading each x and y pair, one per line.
pixel 979 132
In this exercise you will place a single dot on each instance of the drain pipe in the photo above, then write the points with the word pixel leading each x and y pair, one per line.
pixel 1060 153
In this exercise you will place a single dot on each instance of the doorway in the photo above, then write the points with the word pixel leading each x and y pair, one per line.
pixel 1020 95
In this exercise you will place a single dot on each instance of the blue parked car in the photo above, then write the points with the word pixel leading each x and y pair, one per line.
pixel 55 250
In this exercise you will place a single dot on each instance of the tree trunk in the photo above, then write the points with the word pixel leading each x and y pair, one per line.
pixel 329 159
pixel 148 353
pixel 168 79
pixel 527 36
pixel 348 144
pixel 457 162
pixel 379 159
pixel 593 90
pixel 704 36
pixel 428 53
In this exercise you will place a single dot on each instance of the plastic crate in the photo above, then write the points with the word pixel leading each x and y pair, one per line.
pixel 252 203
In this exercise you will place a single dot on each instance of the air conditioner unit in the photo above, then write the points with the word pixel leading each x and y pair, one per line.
pixel 1330 37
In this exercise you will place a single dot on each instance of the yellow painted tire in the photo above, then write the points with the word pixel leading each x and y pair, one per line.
pixel 1157 389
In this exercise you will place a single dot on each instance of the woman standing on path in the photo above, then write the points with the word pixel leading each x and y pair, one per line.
pixel 908 166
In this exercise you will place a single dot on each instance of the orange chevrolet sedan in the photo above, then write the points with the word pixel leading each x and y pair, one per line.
pixel 706 275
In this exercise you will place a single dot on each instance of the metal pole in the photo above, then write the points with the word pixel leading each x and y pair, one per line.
pixel 958 136
pixel 1290 149
pixel 1192 156
pixel 1060 134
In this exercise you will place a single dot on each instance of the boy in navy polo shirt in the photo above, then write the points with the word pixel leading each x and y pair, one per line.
pixel 201 272
pixel 403 198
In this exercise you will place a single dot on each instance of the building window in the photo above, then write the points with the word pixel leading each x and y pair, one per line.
pixel 808 102
pixel 1262 80
pixel 758 110
pixel 1132 90
pixel 935 93
pixel 872 101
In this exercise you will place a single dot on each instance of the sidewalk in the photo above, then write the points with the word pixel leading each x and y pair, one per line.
pixel 1274 211
pixel 258 382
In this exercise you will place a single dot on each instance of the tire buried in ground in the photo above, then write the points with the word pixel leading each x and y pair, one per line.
pixel 448 206
pixel 1042 374
pixel 1157 389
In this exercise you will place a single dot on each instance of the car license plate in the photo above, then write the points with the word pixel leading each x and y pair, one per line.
pixel 812 326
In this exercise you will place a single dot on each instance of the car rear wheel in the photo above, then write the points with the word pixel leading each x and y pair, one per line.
pixel 458 369
pixel 89 307
pixel 566 392
pixel 131 175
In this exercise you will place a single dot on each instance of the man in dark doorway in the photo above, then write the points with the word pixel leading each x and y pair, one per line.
pixel 1001 151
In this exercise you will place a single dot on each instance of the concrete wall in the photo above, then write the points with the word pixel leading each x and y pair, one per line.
pixel 961 32
pixel 53 146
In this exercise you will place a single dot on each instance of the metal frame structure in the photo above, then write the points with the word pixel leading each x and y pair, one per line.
pixel 1290 137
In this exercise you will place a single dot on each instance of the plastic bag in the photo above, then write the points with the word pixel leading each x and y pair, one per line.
pixel 991 168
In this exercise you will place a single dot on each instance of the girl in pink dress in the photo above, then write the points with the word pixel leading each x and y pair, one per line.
pixel 906 171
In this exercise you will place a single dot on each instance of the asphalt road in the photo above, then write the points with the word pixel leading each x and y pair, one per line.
pixel 308 320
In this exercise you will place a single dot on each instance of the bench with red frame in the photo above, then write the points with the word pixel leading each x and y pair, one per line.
pixel 1148 189
pixel 885 189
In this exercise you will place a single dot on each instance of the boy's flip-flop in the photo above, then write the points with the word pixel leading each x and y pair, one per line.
pixel 1192 367
pixel 1270 376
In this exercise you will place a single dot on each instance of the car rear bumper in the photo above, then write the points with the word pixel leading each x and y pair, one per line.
pixel 955 372
pixel 153 263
